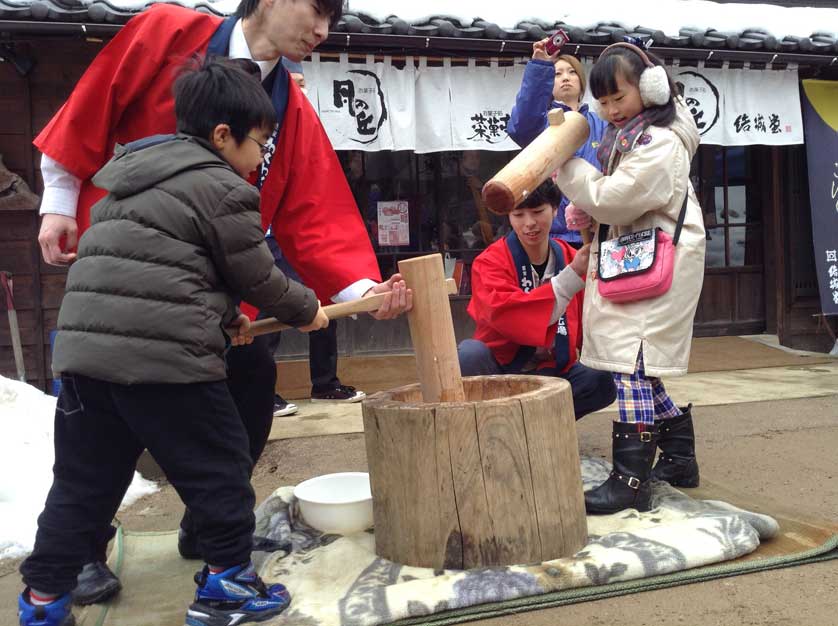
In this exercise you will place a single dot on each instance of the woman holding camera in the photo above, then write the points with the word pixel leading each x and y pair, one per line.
pixel 554 80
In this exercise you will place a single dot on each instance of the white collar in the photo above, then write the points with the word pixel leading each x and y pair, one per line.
pixel 240 50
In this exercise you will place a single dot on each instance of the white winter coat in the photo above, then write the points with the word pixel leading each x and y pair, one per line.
pixel 645 190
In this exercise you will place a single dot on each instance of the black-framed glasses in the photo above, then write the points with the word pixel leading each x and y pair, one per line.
pixel 264 148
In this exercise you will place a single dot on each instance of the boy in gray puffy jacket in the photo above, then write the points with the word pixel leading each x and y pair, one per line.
pixel 141 342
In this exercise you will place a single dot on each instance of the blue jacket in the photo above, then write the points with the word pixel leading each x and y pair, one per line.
pixel 529 118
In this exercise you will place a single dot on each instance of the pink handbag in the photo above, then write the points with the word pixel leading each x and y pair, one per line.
pixel 637 266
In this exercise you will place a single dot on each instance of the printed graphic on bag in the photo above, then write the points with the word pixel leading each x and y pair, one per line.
pixel 628 254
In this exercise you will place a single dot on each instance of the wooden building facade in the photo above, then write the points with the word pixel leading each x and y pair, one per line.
pixel 762 280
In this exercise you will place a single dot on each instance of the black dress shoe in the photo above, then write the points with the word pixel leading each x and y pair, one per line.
pixel 95 583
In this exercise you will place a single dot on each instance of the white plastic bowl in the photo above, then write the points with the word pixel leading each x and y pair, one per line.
pixel 336 503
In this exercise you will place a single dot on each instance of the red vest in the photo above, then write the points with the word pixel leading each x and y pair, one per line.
pixel 507 317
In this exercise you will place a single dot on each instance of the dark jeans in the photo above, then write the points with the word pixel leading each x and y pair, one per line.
pixel 251 379
pixel 195 434
pixel 322 344
pixel 592 389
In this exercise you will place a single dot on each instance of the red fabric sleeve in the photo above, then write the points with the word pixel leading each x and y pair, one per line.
pixel 310 207
pixel 498 302
pixel 125 89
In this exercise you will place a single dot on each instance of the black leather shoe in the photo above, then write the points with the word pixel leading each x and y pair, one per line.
pixel 677 464
pixel 628 486
pixel 96 583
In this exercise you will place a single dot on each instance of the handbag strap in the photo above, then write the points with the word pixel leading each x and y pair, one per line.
pixel 603 228
pixel 681 217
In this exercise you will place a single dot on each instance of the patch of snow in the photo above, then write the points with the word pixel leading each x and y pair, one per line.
pixel 26 459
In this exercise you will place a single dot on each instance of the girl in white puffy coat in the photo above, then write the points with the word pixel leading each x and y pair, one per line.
pixel 644 184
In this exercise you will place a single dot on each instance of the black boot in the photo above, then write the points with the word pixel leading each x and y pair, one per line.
pixel 677 464
pixel 628 487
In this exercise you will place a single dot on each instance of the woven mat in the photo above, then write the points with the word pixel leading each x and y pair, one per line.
pixel 339 581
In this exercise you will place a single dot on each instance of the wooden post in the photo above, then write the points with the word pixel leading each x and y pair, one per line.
pixel 432 330
pixel 535 163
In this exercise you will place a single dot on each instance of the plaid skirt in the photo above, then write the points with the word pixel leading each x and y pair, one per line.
pixel 642 399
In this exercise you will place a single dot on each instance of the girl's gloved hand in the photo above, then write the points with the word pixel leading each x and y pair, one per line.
pixel 576 219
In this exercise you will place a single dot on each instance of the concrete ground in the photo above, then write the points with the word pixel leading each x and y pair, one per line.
pixel 768 434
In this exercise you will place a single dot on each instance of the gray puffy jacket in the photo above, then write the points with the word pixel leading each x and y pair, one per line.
pixel 177 240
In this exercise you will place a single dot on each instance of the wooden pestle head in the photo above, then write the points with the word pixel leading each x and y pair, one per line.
pixel 557 143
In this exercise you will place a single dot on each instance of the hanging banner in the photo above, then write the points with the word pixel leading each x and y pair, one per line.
pixel 481 103
pixel 820 115
pixel 742 107
pixel 367 106
pixel 433 99
pixel 375 106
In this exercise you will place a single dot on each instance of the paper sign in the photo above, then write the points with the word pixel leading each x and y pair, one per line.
pixel 393 223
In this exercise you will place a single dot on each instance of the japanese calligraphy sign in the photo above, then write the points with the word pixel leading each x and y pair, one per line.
pixel 820 116
pixel 367 106
pixel 481 103
pixel 738 107
pixel 377 106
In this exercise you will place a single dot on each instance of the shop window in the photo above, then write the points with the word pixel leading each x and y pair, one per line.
pixel 416 204
pixel 726 183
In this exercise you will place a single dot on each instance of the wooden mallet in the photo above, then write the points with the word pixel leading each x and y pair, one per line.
pixel 564 135
pixel 333 311
pixel 557 143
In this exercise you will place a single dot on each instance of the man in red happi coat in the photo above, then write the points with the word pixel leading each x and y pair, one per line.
pixel 526 302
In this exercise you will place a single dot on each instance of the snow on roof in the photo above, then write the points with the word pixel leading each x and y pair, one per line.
pixel 670 16
pixel 674 23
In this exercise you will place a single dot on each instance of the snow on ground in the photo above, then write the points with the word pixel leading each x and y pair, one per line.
pixel 26 458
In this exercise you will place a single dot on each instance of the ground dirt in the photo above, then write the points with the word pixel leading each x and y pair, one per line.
pixel 783 451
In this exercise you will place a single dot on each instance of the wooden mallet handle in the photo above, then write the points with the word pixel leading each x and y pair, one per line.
pixel 535 163
pixel 333 311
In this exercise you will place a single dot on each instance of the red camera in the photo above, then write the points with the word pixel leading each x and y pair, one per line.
pixel 555 42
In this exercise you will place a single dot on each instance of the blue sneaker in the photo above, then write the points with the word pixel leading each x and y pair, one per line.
pixel 235 596
pixel 56 613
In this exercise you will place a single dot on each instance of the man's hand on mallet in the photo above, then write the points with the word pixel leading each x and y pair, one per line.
pixel 399 298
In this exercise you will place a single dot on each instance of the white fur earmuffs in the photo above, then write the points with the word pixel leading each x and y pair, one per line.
pixel 654 86
pixel 654 82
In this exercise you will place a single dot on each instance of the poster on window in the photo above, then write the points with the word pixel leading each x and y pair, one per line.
pixel 393 223
pixel 820 114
